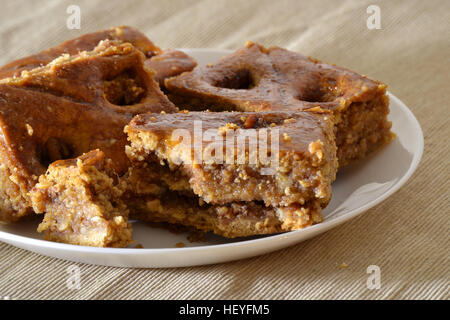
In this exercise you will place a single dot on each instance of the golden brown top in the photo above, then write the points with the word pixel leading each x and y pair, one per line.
pixel 75 104
pixel 170 63
pixel 296 130
pixel 255 78
pixel 177 62
pixel 85 42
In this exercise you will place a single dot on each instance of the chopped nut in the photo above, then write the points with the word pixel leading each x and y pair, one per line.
pixel 286 137
pixel 96 219
pixel 222 130
pixel 119 31
pixel 229 126
pixel 29 129
pixel 315 148
pixel 290 120
pixel 25 74
pixel 118 220
pixel 318 109
pixel 243 175
pixel 232 126
pixel 305 184
pixel 250 122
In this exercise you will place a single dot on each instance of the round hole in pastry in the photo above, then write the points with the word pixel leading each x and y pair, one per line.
pixel 52 150
pixel 241 79
pixel 124 89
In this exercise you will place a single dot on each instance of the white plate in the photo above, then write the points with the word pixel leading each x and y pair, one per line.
pixel 355 190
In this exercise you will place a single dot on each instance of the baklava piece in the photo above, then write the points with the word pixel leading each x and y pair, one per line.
pixel 274 79
pixel 81 199
pixel 235 173
pixel 72 105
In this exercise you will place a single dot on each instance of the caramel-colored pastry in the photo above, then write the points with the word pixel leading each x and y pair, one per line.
pixel 82 202
pixel 168 64
pixel 165 63
pixel 266 167
pixel 274 79
pixel 274 176
pixel 72 105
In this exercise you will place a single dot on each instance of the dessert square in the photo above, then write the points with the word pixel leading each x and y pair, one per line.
pixel 261 79
pixel 70 106
pixel 81 199
pixel 277 163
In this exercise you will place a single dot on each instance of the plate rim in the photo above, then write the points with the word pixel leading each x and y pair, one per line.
pixel 292 235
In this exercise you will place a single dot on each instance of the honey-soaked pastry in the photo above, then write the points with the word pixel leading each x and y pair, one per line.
pixel 166 63
pixel 245 166
pixel 72 105
pixel 82 202
pixel 169 63
pixel 274 79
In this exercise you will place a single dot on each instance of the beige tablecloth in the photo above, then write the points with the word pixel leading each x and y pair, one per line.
pixel 406 236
